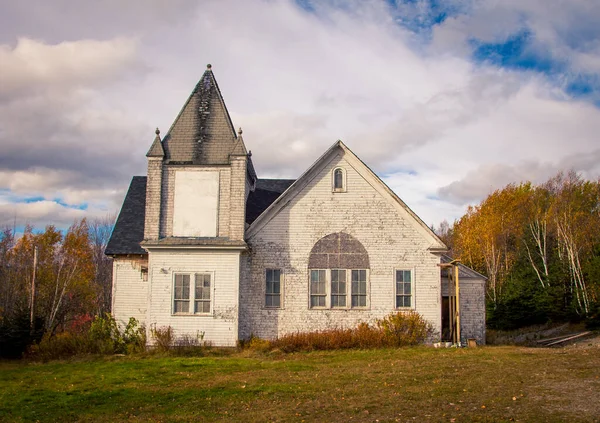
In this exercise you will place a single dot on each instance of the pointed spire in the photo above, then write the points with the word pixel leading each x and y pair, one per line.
pixel 239 149
pixel 202 133
pixel 156 150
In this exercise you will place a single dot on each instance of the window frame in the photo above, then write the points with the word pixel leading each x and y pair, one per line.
pixel 348 294
pixel 192 294
pixel 281 279
pixel 412 289
pixel 344 295
pixel 333 187
pixel 310 291
pixel 367 290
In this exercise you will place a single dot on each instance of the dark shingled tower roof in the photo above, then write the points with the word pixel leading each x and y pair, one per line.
pixel 202 132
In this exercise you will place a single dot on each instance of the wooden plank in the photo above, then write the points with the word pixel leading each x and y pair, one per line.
pixel 556 338
pixel 579 335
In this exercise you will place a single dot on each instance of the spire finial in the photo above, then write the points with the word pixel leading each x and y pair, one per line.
pixel 240 131
pixel 208 67
pixel 157 132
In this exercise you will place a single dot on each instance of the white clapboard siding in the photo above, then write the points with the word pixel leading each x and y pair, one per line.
pixel 130 290
pixel 220 327
pixel 392 237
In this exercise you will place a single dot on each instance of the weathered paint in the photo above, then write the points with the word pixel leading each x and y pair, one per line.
pixel 472 307
pixel 130 289
pixel 392 238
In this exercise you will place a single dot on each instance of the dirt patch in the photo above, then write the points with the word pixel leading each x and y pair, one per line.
pixel 589 342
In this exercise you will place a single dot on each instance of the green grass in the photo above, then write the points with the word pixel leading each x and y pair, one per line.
pixel 411 384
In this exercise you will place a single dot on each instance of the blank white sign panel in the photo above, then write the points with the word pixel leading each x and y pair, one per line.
pixel 195 203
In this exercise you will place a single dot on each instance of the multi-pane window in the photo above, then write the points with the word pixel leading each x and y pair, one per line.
pixel 318 288
pixel 359 288
pixel 403 288
pixel 273 288
pixel 197 293
pixel 181 301
pixel 338 288
pixel 202 297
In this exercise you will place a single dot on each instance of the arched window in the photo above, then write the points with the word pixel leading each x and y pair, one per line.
pixel 338 271
pixel 339 180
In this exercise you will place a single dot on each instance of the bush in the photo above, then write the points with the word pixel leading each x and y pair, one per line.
pixel 396 330
pixel 16 333
pixel 402 329
pixel 163 337
pixel 101 336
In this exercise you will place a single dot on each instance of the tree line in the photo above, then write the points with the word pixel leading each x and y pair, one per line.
pixel 539 246
pixel 52 280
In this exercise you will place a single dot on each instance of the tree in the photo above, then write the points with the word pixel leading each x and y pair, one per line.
pixel 100 230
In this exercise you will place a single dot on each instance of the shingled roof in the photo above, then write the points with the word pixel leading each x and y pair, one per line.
pixel 203 132
pixel 129 228
pixel 267 191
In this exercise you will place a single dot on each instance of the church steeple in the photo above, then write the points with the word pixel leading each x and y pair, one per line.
pixel 202 133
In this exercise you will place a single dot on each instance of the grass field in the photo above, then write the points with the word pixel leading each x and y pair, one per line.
pixel 404 385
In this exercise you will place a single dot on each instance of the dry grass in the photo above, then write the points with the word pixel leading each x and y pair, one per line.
pixel 387 385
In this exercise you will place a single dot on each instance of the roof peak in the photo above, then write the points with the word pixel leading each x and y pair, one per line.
pixel 156 149
pixel 202 132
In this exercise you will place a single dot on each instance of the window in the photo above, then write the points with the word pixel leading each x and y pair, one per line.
pixel 202 297
pixel 273 288
pixel 359 288
pixel 339 180
pixel 185 294
pixel 338 288
pixel 318 288
pixel 181 302
pixel 403 288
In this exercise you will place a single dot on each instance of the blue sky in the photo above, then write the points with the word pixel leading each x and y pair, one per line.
pixel 447 100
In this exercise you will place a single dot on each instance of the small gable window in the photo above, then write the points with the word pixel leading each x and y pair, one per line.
pixel 339 180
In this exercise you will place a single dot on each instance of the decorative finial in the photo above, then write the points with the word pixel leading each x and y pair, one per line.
pixel 240 131
pixel 157 132
pixel 209 66
pixel 250 153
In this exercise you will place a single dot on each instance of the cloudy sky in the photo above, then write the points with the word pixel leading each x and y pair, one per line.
pixel 445 100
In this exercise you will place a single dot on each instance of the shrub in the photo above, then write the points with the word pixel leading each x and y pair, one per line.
pixel 256 344
pixel 101 336
pixel 163 337
pixel 404 328
pixel 396 330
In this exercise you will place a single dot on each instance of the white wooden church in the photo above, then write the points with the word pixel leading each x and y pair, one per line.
pixel 203 245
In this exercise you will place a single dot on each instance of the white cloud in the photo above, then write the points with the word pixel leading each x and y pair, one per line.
pixel 33 65
pixel 295 81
